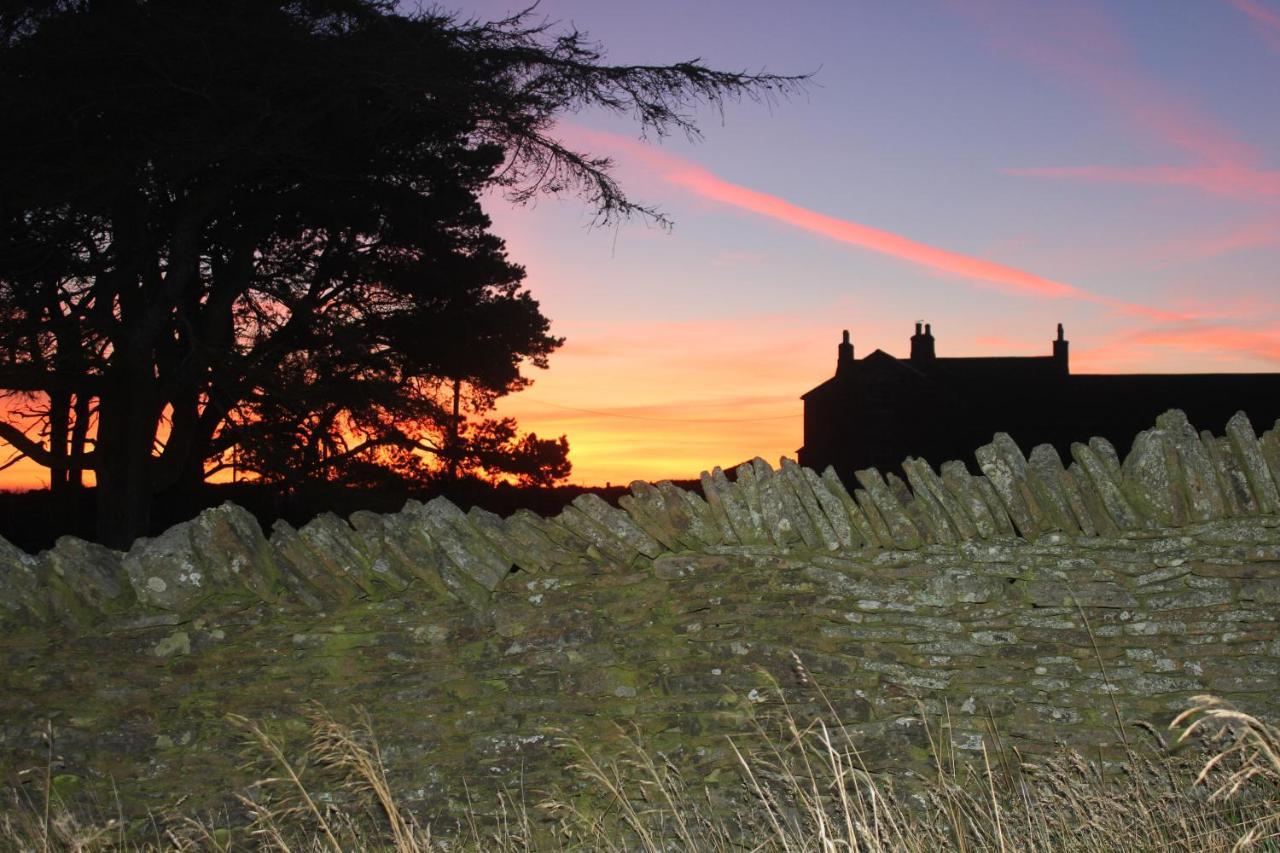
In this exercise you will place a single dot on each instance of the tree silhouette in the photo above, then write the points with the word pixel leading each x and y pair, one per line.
pixel 492 448
pixel 220 220
pixel 318 419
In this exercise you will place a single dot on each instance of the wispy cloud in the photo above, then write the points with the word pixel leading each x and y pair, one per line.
pixel 1264 20
pixel 1222 241
pixel 1254 343
pixel 1232 180
pixel 1077 43
pixel 705 184
pixel 709 186
pixel 1135 350
pixel 968 268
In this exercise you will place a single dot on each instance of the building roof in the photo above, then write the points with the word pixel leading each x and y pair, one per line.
pixel 999 369
pixel 877 362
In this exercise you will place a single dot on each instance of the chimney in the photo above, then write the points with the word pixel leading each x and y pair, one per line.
pixel 1060 353
pixel 922 351
pixel 844 356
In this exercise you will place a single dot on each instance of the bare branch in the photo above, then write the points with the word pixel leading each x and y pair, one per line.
pixel 27 446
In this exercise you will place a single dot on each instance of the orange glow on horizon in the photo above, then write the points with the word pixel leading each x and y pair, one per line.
pixel 668 400
pixel 638 410
pixel 614 445
pixel 615 438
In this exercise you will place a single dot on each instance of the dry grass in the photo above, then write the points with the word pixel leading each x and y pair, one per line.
pixel 804 788
pixel 1246 759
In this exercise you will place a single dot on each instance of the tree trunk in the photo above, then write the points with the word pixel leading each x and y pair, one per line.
pixel 59 416
pixel 79 437
pixel 127 421
pixel 181 466
pixel 455 439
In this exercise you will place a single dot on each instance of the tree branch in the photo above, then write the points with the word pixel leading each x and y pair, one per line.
pixel 24 444
pixel 30 378
pixel 37 452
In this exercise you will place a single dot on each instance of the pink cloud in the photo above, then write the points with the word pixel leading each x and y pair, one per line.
pixel 1191 246
pixel 1186 346
pixel 704 184
pixel 1231 180
pixel 1265 21
pixel 1203 300
pixel 1262 344
pixel 709 186
pixel 1198 247
pixel 1076 42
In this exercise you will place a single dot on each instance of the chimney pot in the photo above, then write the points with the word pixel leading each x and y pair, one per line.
pixel 922 346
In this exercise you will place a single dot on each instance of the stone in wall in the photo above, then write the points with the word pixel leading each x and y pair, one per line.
pixel 1100 481
pixel 85 582
pixel 902 532
pixel 1250 460
pixel 22 601
pixel 789 521
pixel 221 554
pixel 745 480
pixel 1005 468
pixel 943 504
pixel 964 490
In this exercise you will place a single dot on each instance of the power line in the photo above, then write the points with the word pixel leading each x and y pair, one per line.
pixel 665 420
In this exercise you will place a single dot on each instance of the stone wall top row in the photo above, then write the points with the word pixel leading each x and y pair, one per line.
pixel 1173 477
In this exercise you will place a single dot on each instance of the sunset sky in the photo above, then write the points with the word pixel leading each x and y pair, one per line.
pixel 993 168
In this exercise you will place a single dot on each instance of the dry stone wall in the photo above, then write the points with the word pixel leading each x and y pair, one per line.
pixel 1027 599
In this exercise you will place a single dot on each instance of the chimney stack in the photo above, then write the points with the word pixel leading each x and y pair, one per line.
pixel 922 350
pixel 844 355
pixel 1060 353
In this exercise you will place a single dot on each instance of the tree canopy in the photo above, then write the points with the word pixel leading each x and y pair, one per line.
pixel 254 227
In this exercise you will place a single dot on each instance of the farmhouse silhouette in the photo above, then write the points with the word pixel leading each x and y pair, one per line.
pixel 877 410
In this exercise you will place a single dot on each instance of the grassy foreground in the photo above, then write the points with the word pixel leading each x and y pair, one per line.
pixel 1214 786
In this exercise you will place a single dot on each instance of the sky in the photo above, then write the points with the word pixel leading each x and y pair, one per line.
pixel 992 168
